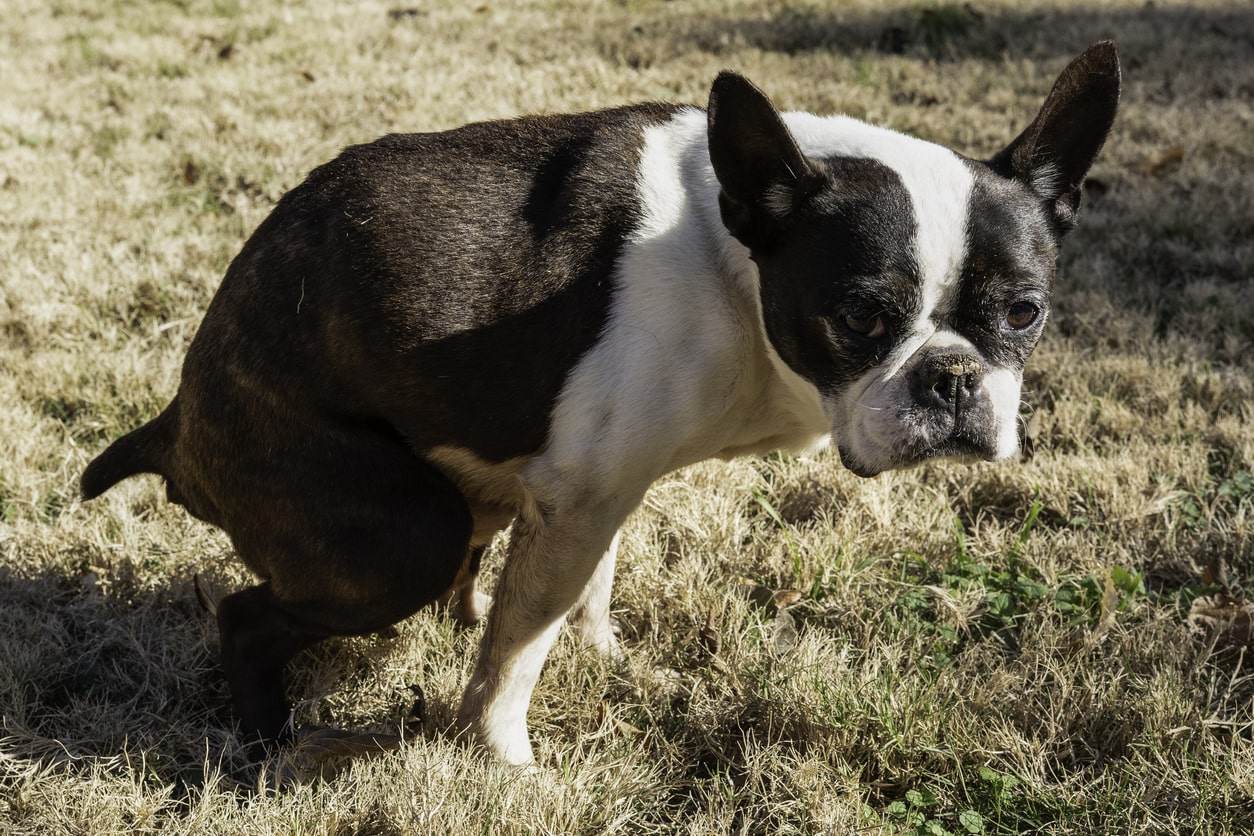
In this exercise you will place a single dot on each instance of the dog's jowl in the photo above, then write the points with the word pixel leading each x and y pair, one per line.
pixel 525 323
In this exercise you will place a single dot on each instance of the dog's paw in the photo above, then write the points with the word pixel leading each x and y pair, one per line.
pixel 469 610
pixel 506 743
pixel 604 638
pixel 602 635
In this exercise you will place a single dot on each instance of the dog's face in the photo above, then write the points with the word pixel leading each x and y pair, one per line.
pixel 917 346
pixel 908 284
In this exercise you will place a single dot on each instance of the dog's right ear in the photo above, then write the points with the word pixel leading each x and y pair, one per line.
pixel 763 174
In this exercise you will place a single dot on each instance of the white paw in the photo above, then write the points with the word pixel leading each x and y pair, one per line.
pixel 602 635
pixel 509 745
pixel 468 610
pixel 607 644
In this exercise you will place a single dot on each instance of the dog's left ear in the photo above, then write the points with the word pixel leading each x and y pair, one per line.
pixel 763 174
pixel 1055 152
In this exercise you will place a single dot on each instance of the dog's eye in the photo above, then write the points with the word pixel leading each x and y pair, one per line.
pixel 1021 314
pixel 864 323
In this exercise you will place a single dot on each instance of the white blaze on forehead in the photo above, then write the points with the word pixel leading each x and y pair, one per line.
pixel 938 181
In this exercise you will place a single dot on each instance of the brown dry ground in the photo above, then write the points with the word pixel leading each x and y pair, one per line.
pixel 997 649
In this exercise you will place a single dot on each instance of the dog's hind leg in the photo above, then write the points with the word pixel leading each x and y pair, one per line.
pixel 466 604
pixel 259 637
pixel 353 558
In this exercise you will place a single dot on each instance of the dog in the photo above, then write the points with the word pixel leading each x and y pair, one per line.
pixel 527 322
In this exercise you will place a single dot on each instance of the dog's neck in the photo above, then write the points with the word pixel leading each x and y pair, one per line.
pixel 683 271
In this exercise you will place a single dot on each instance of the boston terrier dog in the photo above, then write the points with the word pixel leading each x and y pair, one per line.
pixel 526 322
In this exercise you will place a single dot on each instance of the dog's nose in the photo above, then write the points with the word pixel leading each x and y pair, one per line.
pixel 947 380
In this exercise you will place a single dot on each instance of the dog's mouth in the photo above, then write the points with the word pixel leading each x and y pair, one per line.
pixel 855 465
pixel 956 447
pixel 960 449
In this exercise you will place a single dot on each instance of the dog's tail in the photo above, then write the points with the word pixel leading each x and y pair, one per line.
pixel 139 451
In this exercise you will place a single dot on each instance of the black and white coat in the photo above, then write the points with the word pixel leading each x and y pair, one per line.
pixel 528 322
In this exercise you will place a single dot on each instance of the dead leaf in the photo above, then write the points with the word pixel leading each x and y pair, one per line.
pixel 766 598
pixel 313 752
pixel 757 593
pixel 622 727
pixel 785 598
pixel 204 595
pixel 1157 164
pixel 320 745
pixel 1223 616
pixel 710 637
pixel 1109 608
pixel 1213 575
pixel 783 634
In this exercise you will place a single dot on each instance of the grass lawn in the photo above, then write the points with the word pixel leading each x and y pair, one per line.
pixel 1057 645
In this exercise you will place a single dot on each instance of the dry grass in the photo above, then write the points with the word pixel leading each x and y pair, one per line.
pixel 998 649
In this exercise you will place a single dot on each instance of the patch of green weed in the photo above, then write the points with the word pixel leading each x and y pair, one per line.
pixel 173 70
pixel 1222 496
pixel 1010 590
pixel 109 138
pixel 988 801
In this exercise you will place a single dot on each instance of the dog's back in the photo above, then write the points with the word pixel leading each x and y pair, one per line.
pixel 426 289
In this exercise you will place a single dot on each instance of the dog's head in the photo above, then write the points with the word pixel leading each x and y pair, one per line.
pixel 907 283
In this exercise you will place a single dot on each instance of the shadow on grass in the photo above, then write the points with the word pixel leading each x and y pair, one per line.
pixel 116 672
pixel 945 31
pixel 103 675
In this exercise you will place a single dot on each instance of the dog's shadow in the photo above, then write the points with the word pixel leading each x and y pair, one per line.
pixel 931 32
pixel 94 670
pixel 120 673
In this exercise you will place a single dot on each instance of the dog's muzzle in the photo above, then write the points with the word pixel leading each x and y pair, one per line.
pixel 955 415
pixel 945 404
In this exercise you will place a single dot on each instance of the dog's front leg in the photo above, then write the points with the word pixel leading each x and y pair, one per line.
pixel 591 614
pixel 552 556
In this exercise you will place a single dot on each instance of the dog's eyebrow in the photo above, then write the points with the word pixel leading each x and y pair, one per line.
pixel 868 292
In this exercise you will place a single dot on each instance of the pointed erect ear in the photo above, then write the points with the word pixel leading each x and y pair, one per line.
pixel 1054 153
pixel 763 173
